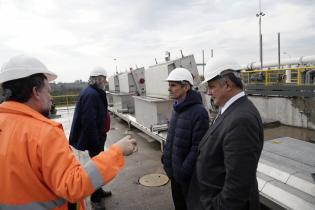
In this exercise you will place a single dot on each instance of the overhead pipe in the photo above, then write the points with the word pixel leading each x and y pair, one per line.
pixel 303 60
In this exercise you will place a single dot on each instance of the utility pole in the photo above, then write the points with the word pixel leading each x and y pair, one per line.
pixel 279 61
pixel 259 15
pixel 116 65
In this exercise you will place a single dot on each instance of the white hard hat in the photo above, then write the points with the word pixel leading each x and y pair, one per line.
pixel 180 74
pixel 217 65
pixel 23 66
pixel 98 71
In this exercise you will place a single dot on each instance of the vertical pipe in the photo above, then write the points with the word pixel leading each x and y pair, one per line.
pixel 261 52
pixel 116 65
pixel 299 75
pixel 279 61
pixel 211 53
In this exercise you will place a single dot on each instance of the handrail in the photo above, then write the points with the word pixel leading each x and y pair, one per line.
pixel 277 76
pixel 64 100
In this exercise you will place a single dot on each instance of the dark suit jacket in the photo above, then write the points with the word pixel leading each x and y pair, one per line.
pixel 225 176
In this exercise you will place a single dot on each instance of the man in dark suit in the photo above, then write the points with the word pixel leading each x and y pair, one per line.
pixel 225 176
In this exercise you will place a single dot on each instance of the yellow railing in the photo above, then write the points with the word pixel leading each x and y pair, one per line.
pixel 276 76
pixel 65 100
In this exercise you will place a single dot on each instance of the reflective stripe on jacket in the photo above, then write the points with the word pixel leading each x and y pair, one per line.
pixel 39 169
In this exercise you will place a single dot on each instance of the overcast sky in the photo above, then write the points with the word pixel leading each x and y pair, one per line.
pixel 72 36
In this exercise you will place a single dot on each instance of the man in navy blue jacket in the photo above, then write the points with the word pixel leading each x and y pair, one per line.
pixel 188 124
pixel 91 123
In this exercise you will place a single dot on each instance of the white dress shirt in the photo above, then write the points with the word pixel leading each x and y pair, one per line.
pixel 231 101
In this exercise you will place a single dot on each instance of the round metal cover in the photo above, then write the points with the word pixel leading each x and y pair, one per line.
pixel 153 180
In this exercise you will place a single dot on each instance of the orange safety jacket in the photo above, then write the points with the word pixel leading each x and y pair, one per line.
pixel 38 168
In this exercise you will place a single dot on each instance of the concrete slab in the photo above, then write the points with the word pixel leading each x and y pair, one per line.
pixel 127 192
pixel 287 147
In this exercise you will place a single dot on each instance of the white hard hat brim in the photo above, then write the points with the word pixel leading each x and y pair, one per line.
pixel 204 82
pixel 21 73
pixel 51 76
pixel 23 66
pixel 209 79
pixel 216 66
pixel 233 69
pixel 180 74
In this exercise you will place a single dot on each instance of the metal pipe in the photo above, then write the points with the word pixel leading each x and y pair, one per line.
pixel 123 110
pixel 279 50
pixel 116 65
pixel 289 61
pixel 157 128
pixel 259 15
pixel 181 52
pixel 260 44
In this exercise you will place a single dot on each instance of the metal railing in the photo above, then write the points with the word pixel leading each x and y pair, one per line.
pixel 65 100
pixel 285 76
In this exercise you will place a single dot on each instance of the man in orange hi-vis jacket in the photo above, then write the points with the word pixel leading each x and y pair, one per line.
pixel 38 168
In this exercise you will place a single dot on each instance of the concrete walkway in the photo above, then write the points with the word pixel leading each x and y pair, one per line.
pixel 127 192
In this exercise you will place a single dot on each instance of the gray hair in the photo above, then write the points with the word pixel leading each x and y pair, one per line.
pixel 234 77
pixel 94 81
pixel 183 83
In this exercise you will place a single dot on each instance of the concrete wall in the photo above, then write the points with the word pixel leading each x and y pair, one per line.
pixel 299 112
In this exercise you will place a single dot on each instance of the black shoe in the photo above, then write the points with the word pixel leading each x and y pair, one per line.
pixel 98 205
pixel 106 193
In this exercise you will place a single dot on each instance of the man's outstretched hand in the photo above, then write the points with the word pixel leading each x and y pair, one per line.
pixel 128 145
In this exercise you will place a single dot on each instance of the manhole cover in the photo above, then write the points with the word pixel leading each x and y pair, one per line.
pixel 153 180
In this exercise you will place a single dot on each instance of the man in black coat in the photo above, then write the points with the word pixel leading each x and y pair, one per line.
pixel 91 122
pixel 225 176
pixel 188 123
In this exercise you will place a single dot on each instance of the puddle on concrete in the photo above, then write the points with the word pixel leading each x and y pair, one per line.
pixel 288 131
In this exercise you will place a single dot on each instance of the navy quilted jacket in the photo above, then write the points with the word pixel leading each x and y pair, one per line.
pixel 188 124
